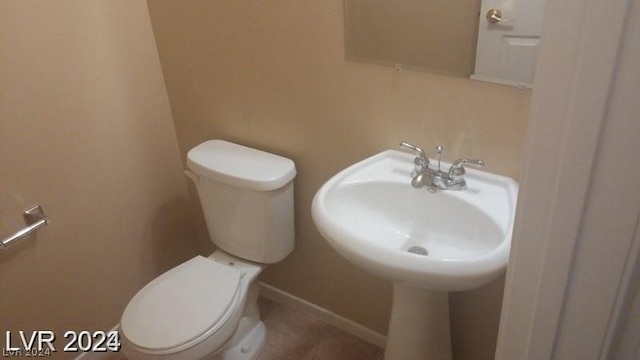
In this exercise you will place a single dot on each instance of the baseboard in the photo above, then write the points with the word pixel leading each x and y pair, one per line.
pixel 99 355
pixel 331 318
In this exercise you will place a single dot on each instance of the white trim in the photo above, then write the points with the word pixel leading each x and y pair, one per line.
pixel 100 355
pixel 94 356
pixel 331 318
pixel 517 84
pixel 622 340
pixel 577 63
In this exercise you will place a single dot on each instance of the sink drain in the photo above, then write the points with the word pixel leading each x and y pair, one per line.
pixel 418 250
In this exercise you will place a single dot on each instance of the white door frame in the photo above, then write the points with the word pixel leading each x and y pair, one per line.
pixel 576 66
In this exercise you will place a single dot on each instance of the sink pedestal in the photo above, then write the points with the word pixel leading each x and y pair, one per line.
pixel 419 325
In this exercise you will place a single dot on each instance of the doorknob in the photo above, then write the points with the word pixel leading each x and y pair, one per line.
pixel 494 16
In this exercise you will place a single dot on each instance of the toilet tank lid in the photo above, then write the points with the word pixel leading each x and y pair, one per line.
pixel 240 166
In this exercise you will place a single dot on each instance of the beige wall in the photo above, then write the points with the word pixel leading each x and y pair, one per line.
pixel 272 75
pixel 86 131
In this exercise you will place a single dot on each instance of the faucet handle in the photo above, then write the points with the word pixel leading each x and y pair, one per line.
pixel 421 158
pixel 457 168
pixel 474 162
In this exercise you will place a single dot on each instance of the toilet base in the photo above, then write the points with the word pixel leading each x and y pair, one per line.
pixel 249 347
pixel 251 333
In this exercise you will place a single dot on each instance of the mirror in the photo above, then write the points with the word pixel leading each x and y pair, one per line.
pixel 429 35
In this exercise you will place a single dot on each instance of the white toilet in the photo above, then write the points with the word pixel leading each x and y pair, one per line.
pixel 207 307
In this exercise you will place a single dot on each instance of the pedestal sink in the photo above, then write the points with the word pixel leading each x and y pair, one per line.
pixel 426 242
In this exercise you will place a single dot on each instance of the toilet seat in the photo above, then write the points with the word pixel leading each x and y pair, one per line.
pixel 179 307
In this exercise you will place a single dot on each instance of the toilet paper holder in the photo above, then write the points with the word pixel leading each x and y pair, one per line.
pixel 35 219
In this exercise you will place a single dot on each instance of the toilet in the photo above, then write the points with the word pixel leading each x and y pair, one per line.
pixel 206 307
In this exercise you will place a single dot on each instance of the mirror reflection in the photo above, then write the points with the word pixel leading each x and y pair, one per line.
pixel 434 35
pixel 488 40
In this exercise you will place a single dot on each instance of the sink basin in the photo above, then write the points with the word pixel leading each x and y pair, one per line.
pixel 447 240
pixel 427 242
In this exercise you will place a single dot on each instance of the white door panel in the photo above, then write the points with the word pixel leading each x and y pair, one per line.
pixel 507 50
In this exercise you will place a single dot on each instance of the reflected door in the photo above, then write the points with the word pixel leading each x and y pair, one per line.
pixel 508 38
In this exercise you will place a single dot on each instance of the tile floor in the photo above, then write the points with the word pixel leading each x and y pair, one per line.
pixel 295 335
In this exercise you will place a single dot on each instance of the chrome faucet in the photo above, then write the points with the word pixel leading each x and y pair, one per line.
pixel 423 175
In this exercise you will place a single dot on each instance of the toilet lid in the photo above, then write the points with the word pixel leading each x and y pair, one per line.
pixel 181 304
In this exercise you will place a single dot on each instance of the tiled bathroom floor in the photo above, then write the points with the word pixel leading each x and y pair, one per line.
pixel 294 335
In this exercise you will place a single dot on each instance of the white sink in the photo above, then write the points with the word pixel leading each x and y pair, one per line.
pixel 418 238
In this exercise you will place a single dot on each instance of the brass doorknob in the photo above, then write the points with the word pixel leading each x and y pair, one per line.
pixel 494 16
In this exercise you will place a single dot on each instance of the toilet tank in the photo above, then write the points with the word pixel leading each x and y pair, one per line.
pixel 247 199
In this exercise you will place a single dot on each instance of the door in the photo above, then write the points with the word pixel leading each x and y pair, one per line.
pixel 508 38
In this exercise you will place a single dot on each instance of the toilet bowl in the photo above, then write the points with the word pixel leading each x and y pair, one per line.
pixel 195 309
pixel 206 308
